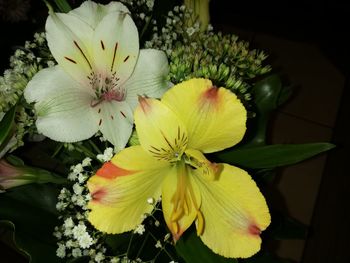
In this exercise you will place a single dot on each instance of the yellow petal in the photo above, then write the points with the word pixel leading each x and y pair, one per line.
pixel 120 190
pixel 234 211
pixel 160 132
pixel 214 117
pixel 197 160
pixel 180 200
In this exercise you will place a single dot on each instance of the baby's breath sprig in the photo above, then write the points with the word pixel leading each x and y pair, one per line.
pixel 24 64
pixel 141 12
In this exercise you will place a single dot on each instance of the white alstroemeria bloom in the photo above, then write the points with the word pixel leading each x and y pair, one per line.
pixel 99 75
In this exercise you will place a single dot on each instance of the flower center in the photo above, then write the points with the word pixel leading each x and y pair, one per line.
pixel 184 200
pixel 106 88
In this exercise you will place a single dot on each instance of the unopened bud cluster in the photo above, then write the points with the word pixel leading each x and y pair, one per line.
pixel 224 59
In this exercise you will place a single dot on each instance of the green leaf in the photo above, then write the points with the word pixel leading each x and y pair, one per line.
pixel 7 229
pixel 266 94
pixel 271 156
pixel 31 209
pixel 6 125
pixel 63 6
pixel 191 248
pixel 14 160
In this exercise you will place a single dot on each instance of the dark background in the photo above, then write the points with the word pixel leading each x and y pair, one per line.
pixel 323 24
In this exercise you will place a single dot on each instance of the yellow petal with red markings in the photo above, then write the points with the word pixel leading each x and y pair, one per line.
pixel 197 160
pixel 160 132
pixel 180 200
pixel 214 117
pixel 235 212
pixel 120 190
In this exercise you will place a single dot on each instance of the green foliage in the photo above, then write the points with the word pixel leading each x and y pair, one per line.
pixel 271 156
pixel 266 94
pixel 224 59
pixel 191 248
pixel 31 210
pixel 6 124
pixel 63 6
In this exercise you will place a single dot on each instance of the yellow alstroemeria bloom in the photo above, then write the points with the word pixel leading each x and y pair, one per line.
pixel 191 119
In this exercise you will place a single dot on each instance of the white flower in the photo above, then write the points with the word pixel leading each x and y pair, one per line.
pixel 150 3
pixel 106 156
pixel 78 189
pixel 82 178
pixel 81 201
pixel 115 260
pixel 61 206
pixel 78 169
pixel 86 162
pixel 100 73
pixel 68 232
pixel 57 234
pixel 99 257
pixel 79 230
pixel 70 243
pixel 150 200
pixel 158 244
pixel 61 251
pixel 140 229
pixel 72 176
pixel 76 252
pixel 68 223
pixel 85 241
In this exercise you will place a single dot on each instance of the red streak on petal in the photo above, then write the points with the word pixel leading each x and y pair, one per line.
pixel 98 194
pixel 211 94
pixel 144 104
pixel 254 230
pixel 210 98
pixel 111 171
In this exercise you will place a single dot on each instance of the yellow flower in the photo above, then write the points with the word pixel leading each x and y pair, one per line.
pixel 191 119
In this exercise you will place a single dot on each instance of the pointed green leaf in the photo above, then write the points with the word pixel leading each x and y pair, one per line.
pixel 31 209
pixel 191 248
pixel 14 160
pixel 271 156
pixel 6 125
pixel 63 6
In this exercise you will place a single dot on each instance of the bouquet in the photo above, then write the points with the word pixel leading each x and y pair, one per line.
pixel 133 132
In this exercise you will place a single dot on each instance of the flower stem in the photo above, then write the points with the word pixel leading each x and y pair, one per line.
pixel 93 145
pixel 86 151
pixel 142 245
pixel 129 245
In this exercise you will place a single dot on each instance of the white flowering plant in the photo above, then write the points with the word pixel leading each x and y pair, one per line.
pixel 117 127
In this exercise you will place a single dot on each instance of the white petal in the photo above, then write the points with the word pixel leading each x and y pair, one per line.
pixel 149 77
pixel 45 82
pixel 63 107
pixel 68 38
pixel 92 13
pixel 115 122
pixel 116 46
